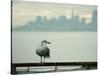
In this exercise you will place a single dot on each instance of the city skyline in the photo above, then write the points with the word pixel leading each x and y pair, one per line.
pixel 24 12
pixel 60 24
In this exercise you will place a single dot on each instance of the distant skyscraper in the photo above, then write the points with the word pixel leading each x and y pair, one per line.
pixel 39 19
pixel 94 18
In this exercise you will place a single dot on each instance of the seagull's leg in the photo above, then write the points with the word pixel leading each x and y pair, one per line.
pixel 41 59
pixel 44 60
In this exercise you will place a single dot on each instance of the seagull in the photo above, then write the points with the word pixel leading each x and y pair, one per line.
pixel 43 51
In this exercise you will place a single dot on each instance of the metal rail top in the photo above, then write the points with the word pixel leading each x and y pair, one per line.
pixel 54 64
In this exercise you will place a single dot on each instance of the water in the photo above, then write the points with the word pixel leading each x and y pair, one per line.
pixel 64 47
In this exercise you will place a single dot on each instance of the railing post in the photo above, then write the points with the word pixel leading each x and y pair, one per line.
pixel 55 67
pixel 28 68
pixel 13 69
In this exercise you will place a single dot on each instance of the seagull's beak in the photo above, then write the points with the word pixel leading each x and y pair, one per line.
pixel 49 42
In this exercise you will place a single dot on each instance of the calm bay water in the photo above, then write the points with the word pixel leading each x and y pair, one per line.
pixel 64 47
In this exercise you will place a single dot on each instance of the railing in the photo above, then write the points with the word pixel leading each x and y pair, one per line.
pixel 87 65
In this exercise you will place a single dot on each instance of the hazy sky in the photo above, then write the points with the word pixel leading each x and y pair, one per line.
pixel 24 11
